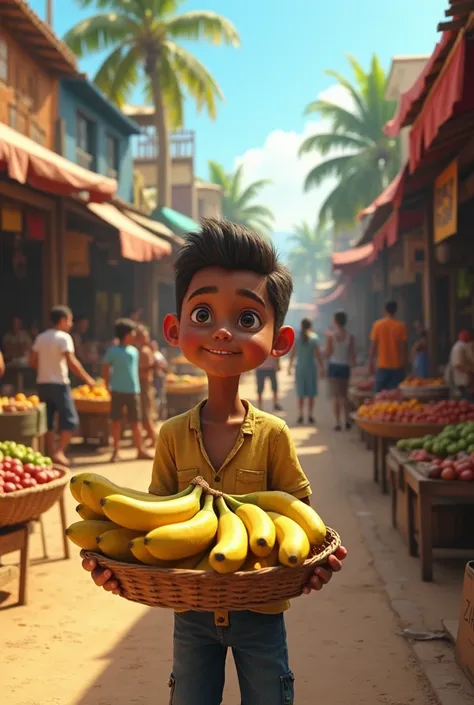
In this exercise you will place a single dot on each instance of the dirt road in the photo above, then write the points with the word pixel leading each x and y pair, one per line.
pixel 75 645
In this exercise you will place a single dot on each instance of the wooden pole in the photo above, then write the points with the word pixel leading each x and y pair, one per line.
pixel 49 12
pixel 429 286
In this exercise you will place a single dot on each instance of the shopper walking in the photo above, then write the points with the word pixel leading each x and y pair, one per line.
pixel 146 368
pixel 308 360
pixel 269 370
pixel 388 349
pixel 419 355
pixel 341 356
pixel 460 372
pixel 53 356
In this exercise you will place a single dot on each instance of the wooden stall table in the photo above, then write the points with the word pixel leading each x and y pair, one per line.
pixel 182 397
pixel 395 461
pixel 422 494
pixel 93 420
pixel 16 538
pixel 27 427
pixel 386 434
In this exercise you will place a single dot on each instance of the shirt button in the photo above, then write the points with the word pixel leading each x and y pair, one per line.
pixel 217 478
pixel 220 620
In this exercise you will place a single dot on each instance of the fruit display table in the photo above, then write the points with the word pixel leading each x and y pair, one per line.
pixel 181 397
pixel 385 434
pixel 423 495
pixel 16 538
pixel 27 427
pixel 93 420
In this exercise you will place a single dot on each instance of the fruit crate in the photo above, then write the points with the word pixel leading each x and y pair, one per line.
pixel 181 398
pixel 23 426
pixel 205 591
pixel 92 406
pixel 29 504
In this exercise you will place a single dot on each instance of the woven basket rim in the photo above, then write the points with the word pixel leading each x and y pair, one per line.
pixel 404 424
pixel 16 414
pixel 335 543
pixel 53 484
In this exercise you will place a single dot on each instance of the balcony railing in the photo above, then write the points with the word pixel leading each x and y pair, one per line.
pixel 145 145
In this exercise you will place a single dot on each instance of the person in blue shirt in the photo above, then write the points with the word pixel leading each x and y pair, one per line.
pixel 121 379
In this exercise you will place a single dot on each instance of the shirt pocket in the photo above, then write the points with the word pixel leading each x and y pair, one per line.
pixel 185 477
pixel 247 481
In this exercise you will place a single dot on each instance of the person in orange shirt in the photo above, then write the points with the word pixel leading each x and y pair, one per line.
pixel 388 349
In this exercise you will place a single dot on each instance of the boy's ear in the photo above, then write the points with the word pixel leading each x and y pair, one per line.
pixel 171 329
pixel 284 341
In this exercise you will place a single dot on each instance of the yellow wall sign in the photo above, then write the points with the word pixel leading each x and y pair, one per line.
pixel 77 248
pixel 446 203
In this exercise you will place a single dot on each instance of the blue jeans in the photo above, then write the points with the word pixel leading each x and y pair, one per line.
pixel 258 643
pixel 388 378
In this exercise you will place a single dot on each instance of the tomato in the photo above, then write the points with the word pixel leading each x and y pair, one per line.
pixel 28 482
pixel 9 487
pixel 461 466
pixel 41 477
pixel 447 464
pixel 10 476
pixel 7 465
pixel 434 472
pixel 448 474
pixel 29 467
pixel 466 476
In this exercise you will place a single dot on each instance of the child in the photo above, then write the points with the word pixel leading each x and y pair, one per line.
pixel 161 370
pixel 121 379
pixel 232 296
pixel 146 369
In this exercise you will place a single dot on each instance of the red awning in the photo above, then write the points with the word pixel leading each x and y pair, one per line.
pixel 336 294
pixel 391 196
pixel 354 258
pixel 440 104
pixel 28 162
pixel 388 233
pixel 415 93
pixel 136 243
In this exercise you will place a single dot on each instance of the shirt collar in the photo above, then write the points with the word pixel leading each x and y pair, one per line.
pixel 248 425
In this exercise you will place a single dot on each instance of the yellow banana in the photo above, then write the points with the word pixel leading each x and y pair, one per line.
pixel 289 506
pixel 75 485
pixel 189 563
pixel 115 544
pixel 177 541
pixel 143 555
pixel 254 562
pixel 260 527
pixel 231 548
pixel 96 487
pixel 292 540
pixel 84 533
pixel 146 516
pixel 86 513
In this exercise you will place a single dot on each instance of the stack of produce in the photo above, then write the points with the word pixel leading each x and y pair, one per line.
pixel 97 393
pixel 422 382
pixel 412 411
pixel 365 385
pixel 185 380
pixel 22 468
pixel 198 528
pixel 389 395
pixel 20 402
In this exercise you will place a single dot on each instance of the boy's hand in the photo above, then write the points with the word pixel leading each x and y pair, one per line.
pixel 102 578
pixel 323 575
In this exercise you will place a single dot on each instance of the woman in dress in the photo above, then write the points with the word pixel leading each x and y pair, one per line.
pixel 308 359
pixel 341 355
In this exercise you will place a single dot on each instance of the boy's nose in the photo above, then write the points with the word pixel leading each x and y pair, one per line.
pixel 222 334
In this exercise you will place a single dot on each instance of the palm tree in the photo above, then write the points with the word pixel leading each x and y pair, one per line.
pixel 142 36
pixel 365 159
pixel 310 255
pixel 238 203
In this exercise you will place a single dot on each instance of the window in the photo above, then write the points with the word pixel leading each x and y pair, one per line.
pixel 3 61
pixel 85 136
pixel 112 155
pixel 34 91
pixel 16 119
pixel 37 134
pixel 201 208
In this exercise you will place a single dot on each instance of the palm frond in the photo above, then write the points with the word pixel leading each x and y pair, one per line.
pixel 203 25
pixel 217 174
pixel 118 74
pixel 331 167
pixel 99 32
pixel 324 143
pixel 251 192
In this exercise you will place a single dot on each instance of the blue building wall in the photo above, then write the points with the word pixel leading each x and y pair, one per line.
pixel 69 105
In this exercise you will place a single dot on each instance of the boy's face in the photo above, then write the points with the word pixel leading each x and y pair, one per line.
pixel 130 338
pixel 227 324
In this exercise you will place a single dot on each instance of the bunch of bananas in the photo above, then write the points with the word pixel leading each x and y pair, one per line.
pixel 198 528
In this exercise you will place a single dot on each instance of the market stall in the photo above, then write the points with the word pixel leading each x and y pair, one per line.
pixel 183 392
pixel 23 420
pixel 93 407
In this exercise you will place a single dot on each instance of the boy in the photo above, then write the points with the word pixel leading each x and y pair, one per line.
pixel 161 370
pixel 121 379
pixel 232 296
pixel 53 356
pixel 146 367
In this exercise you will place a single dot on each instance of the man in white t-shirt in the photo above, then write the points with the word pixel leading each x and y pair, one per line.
pixel 53 356
pixel 461 364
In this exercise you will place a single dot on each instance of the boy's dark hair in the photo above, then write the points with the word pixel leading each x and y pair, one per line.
pixel 124 326
pixel 391 307
pixel 341 318
pixel 220 243
pixel 57 313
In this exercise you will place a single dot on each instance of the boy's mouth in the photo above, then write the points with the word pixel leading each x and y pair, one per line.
pixel 217 351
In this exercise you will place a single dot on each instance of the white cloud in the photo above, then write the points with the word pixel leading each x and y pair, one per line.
pixel 278 160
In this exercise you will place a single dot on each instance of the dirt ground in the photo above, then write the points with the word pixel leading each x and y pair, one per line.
pixel 76 645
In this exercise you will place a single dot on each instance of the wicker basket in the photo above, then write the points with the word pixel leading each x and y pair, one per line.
pixel 176 388
pixel 207 591
pixel 29 504
pixel 396 431
pixel 92 406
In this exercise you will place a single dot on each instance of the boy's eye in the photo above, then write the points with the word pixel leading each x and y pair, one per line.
pixel 201 315
pixel 249 320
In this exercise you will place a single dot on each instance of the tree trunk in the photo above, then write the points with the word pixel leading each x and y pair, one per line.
pixel 163 161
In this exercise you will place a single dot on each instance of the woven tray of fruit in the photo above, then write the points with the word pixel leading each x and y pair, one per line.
pixel 91 400
pixel 186 384
pixel 29 483
pixel 424 389
pixel 200 549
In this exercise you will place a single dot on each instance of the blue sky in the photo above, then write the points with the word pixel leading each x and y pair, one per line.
pixel 286 46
